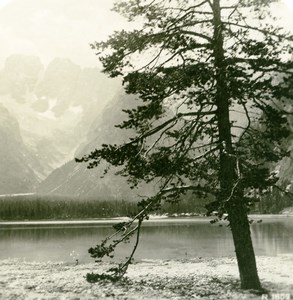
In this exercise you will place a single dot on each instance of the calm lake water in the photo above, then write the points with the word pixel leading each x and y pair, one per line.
pixel 160 239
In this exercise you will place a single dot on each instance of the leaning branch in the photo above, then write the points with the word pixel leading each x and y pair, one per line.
pixel 163 125
pixel 124 267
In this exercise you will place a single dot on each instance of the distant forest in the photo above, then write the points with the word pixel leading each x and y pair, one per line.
pixel 36 207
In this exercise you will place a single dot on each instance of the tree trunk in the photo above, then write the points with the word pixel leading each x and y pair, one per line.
pixel 243 247
pixel 230 193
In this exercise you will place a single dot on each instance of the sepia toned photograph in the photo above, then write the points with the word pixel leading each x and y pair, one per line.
pixel 146 149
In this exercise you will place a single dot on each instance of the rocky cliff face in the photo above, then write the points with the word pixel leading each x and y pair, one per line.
pixel 75 180
pixel 54 106
pixel 19 168
pixel 20 76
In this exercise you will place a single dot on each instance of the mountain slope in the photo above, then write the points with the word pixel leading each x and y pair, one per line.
pixel 54 105
pixel 17 173
pixel 74 179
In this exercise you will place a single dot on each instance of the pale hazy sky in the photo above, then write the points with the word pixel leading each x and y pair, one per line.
pixel 50 28
pixel 64 28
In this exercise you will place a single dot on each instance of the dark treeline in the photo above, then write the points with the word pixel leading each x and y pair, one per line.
pixel 36 207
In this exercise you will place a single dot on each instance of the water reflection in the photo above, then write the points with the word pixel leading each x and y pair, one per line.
pixel 273 237
pixel 160 240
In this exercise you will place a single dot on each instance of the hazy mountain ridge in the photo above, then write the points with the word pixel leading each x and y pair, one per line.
pixel 74 179
pixel 65 111
pixel 19 168
pixel 54 106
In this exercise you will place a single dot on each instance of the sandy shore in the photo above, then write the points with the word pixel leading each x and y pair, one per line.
pixel 199 278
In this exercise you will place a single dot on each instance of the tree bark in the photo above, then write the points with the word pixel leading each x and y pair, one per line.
pixel 231 196
pixel 243 247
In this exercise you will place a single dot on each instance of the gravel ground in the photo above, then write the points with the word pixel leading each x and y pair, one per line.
pixel 200 278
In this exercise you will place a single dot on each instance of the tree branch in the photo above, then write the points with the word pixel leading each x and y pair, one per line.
pixel 163 125
pixel 263 31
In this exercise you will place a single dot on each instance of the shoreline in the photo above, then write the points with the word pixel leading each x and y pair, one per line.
pixel 153 218
pixel 197 278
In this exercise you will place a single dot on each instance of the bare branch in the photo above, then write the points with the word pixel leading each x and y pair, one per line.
pixel 198 35
pixel 124 267
pixel 159 138
pixel 163 125
pixel 263 31
pixel 248 120
pixel 205 154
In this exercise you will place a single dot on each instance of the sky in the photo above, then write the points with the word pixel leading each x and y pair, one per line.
pixel 64 28
pixel 55 28
pixel 289 4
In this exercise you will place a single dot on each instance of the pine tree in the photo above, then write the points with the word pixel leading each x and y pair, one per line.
pixel 224 69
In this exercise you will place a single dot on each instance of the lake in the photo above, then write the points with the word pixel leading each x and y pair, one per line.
pixel 172 238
